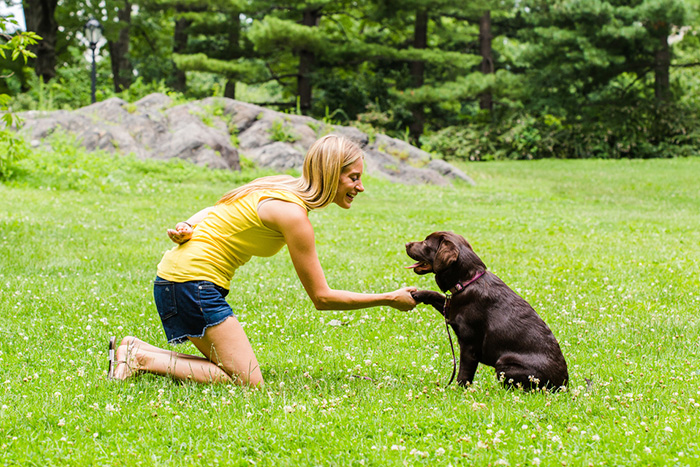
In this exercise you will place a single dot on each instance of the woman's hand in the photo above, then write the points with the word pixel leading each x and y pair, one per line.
pixel 181 233
pixel 403 299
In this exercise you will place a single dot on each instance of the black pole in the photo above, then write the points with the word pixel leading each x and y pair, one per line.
pixel 94 71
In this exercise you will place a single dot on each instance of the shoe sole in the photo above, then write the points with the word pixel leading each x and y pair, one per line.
pixel 111 368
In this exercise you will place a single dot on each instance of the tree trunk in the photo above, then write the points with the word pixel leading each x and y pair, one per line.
pixel 180 47
pixel 122 71
pixel 230 89
pixel 234 50
pixel 40 18
pixel 486 99
pixel 420 41
pixel 662 64
pixel 306 64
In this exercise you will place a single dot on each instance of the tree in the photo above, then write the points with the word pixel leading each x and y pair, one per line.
pixel 39 16
pixel 216 43
pixel 487 66
pixel 122 70
pixel 580 50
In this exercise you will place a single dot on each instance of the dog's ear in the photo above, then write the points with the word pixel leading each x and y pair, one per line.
pixel 447 253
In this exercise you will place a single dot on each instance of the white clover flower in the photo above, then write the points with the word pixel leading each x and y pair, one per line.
pixel 647 450
pixel 439 452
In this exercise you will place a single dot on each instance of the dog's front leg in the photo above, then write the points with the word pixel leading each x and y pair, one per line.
pixel 467 365
pixel 430 297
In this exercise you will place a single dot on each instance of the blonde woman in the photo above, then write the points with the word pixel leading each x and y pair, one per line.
pixel 256 219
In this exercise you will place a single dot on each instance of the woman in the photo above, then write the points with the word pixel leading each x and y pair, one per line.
pixel 256 219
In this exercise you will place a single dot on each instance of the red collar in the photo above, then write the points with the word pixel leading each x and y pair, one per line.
pixel 463 285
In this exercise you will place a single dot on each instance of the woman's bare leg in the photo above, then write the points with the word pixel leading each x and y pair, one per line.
pixel 138 359
pixel 226 346
pixel 134 342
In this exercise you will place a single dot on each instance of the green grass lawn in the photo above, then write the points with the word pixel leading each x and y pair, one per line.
pixel 607 252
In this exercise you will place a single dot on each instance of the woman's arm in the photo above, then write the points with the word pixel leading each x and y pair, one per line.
pixel 183 230
pixel 292 221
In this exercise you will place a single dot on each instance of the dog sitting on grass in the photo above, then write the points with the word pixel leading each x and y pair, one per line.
pixel 493 324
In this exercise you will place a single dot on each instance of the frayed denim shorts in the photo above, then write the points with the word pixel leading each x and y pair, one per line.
pixel 187 309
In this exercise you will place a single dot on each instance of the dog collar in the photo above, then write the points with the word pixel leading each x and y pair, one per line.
pixel 463 285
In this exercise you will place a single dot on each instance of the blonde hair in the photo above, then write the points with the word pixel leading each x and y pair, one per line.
pixel 318 184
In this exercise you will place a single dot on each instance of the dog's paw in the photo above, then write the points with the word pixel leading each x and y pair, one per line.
pixel 421 295
pixel 429 297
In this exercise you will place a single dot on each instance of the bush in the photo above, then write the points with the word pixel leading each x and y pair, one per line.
pixel 639 131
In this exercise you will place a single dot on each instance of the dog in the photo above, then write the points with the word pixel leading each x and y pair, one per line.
pixel 493 324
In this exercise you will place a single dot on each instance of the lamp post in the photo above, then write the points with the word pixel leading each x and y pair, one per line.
pixel 93 33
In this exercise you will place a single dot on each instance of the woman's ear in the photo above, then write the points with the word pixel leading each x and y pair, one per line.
pixel 447 253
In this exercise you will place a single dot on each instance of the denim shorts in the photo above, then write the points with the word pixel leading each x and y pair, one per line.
pixel 187 309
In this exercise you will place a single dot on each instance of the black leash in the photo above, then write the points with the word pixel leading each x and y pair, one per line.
pixel 445 309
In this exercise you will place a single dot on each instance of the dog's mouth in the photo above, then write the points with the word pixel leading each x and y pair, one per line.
pixel 421 267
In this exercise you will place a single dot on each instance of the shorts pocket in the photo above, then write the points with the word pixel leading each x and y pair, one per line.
pixel 164 295
pixel 209 295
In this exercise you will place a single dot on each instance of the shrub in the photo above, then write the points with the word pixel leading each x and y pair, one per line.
pixel 638 131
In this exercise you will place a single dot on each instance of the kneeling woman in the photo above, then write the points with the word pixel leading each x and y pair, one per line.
pixel 256 219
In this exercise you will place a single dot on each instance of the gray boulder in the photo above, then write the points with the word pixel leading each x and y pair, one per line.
pixel 213 132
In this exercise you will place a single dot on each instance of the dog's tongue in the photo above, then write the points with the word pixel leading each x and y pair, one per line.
pixel 413 266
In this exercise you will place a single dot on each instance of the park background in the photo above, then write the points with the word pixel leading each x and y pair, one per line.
pixel 605 247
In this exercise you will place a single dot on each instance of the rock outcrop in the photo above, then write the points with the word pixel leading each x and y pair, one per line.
pixel 217 132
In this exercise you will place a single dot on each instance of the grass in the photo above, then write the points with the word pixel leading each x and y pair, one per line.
pixel 606 251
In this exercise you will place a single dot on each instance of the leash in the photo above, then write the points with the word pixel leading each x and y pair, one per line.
pixel 445 310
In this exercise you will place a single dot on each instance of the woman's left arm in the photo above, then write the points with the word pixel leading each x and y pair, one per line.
pixel 183 230
pixel 293 222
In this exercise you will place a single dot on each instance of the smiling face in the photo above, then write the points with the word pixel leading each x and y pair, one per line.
pixel 349 184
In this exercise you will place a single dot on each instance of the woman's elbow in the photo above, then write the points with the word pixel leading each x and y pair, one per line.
pixel 322 302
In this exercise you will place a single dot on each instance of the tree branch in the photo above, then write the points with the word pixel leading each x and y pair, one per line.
pixel 685 65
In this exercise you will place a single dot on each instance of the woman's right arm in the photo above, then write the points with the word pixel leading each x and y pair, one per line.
pixel 183 230
pixel 292 221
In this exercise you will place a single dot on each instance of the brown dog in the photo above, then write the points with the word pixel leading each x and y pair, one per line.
pixel 493 324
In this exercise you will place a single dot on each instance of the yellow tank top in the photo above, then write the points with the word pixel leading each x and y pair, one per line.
pixel 225 240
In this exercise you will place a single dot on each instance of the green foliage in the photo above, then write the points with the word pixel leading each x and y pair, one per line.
pixel 626 132
pixel 594 66
pixel 280 131
pixel 12 147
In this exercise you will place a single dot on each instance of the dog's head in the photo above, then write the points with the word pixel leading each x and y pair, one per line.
pixel 444 253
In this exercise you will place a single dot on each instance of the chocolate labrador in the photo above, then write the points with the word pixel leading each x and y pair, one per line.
pixel 493 324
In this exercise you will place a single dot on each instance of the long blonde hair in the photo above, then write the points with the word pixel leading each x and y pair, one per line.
pixel 318 184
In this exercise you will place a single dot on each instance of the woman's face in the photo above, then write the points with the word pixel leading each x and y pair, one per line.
pixel 349 184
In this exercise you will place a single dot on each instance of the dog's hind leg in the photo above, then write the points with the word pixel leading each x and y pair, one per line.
pixel 430 297
pixel 513 371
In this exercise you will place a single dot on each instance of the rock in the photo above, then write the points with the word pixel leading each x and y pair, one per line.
pixel 449 170
pixel 213 131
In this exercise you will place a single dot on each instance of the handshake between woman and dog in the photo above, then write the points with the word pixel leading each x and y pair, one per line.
pixel 493 324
